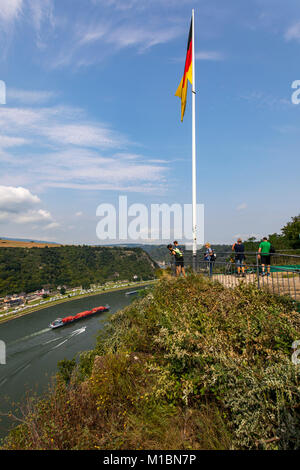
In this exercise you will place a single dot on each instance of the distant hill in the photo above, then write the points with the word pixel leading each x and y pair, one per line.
pixel 23 270
pixel 24 243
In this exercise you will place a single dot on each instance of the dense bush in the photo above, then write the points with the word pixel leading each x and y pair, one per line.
pixel 191 365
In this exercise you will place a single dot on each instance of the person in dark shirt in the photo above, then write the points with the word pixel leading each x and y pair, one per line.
pixel 239 250
pixel 179 260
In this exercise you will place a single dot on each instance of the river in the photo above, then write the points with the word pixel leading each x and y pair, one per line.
pixel 33 349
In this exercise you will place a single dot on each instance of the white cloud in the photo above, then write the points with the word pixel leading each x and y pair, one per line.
pixel 89 35
pixel 7 141
pixel 126 36
pixel 71 40
pixel 40 10
pixel 15 15
pixel 146 188
pixel 16 199
pixel 143 36
pixel 128 156
pixel 34 14
pixel 263 99
pixel 29 97
pixel 17 205
pixel 84 135
pixel 119 4
pixel 100 34
pixel 10 9
pixel 293 32
pixel 209 55
pixel 87 170
pixel 141 5
pixel 52 226
pixel 31 216
pixel 61 125
pixel 20 117
pixel 67 152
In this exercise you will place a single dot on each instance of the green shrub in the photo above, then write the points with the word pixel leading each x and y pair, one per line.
pixel 190 365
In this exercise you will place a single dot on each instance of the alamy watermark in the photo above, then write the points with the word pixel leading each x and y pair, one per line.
pixel 296 95
pixel 296 353
pixel 2 353
pixel 157 223
pixel 2 92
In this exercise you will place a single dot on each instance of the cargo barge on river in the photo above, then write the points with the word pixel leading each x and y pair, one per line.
pixel 59 322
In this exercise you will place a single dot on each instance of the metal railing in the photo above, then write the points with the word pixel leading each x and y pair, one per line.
pixel 281 277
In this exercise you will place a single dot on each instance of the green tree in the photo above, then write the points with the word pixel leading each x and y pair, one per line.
pixel 85 285
pixel 291 232
pixel 27 270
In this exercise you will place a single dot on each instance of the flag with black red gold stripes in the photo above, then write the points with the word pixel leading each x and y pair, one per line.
pixel 188 73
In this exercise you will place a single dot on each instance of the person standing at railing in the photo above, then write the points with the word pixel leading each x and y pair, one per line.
pixel 239 249
pixel 265 256
pixel 179 260
pixel 209 257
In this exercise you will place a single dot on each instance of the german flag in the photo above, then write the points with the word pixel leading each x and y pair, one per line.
pixel 188 73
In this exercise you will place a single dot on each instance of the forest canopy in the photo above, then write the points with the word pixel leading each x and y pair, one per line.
pixel 27 270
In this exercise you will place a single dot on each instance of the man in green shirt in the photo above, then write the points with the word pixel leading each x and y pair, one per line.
pixel 264 255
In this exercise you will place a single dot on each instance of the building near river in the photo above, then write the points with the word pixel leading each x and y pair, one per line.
pixel 13 302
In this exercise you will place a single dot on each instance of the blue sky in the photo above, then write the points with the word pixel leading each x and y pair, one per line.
pixel 91 115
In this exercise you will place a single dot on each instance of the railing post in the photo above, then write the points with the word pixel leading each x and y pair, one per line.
pixel 257 271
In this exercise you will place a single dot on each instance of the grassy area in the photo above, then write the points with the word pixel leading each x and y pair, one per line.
pixel 191 365
pixel 22 244
pixel 5 318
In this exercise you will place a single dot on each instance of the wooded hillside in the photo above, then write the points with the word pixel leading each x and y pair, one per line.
pixel 26 270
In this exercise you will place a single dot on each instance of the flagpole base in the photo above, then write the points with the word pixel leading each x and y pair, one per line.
pixel 194 262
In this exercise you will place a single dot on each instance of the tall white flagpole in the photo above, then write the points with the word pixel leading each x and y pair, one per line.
pixel 194 145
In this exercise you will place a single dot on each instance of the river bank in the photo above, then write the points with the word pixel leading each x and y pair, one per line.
pixel 11 316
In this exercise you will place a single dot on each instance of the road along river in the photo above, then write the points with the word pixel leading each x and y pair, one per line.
pixel 33 349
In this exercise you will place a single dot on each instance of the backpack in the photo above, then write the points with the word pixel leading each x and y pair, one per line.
pixel 178 253
pixel 213 256
pixel 272 250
